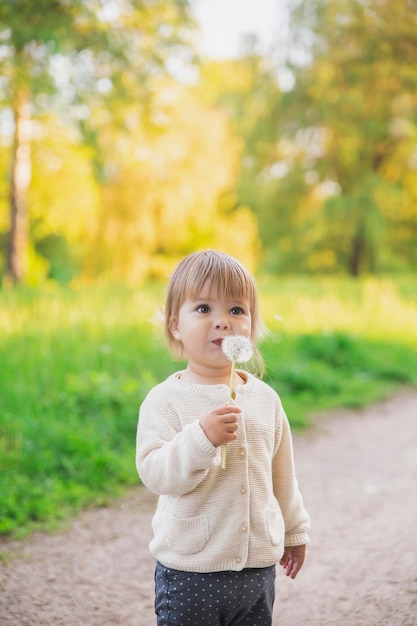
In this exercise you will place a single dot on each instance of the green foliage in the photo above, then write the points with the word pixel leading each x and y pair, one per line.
pixel 85 64
pixel 62 264
pixel 328 163
pixel 132 168
pixel 338 342
pixel 77 364
pixel 315 372
pixel 347 195
pixel 75 373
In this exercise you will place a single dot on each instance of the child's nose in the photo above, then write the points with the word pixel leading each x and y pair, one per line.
pixel 222 324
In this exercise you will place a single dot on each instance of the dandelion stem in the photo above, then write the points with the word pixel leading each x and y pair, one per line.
pixel 232 377
pixel 229 401
pixel 224 456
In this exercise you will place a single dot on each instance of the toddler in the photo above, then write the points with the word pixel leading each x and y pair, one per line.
pixel 218 532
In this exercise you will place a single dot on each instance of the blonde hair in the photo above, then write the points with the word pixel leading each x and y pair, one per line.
pixel 225 277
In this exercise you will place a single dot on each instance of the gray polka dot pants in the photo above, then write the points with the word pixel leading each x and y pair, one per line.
pixel 229 598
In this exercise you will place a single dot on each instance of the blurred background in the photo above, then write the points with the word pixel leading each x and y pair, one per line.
pixel 133 132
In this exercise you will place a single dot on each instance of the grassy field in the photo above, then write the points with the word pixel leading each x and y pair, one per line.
pixel 75 365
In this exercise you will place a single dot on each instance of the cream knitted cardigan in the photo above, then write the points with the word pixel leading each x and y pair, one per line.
pixel 211 519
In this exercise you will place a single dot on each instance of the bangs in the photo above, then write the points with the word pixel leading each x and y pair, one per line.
pixel 220 278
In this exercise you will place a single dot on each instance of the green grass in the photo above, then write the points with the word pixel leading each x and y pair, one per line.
pixel 338 342
pixel 75 366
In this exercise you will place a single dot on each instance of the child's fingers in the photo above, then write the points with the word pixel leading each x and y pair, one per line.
pixel 228 408
pixel 292 560
pixel 229 418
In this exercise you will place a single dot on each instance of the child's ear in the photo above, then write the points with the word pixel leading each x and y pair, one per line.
pixel 174 329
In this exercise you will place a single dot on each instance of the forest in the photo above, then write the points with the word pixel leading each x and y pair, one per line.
pixel 122 149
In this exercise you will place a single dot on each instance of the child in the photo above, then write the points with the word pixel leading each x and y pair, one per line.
pixel 218 533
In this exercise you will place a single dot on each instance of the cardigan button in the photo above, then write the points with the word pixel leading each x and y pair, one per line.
pixel 243 490
pixel 244 528
pixel 242 453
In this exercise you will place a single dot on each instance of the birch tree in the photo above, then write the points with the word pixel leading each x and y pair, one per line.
pixel 102 45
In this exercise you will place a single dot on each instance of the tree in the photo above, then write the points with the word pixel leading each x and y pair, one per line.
pixel 246 89
pixel 166 188
pixel 351 122
pixel 91 48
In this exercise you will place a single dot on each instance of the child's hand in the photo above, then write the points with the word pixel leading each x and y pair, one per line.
pixel 220 425
pixel 292 560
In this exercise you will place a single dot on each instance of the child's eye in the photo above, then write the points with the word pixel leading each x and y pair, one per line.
pixel 203 308
pixel 237 310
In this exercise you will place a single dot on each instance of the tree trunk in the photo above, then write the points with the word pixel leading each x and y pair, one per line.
pixel 355 261
pixel 21 173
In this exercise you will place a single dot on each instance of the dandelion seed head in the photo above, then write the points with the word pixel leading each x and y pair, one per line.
pixel 237 347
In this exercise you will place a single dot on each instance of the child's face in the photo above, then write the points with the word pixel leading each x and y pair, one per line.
pixel 203 323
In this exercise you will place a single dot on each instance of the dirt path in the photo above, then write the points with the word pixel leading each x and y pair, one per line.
pixel 358 473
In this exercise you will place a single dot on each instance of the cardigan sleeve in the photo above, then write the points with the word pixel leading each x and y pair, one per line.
pixel 170 460
pixel 296 518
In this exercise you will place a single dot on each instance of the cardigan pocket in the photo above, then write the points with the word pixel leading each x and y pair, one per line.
pixel 188 535
pixel 275 524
